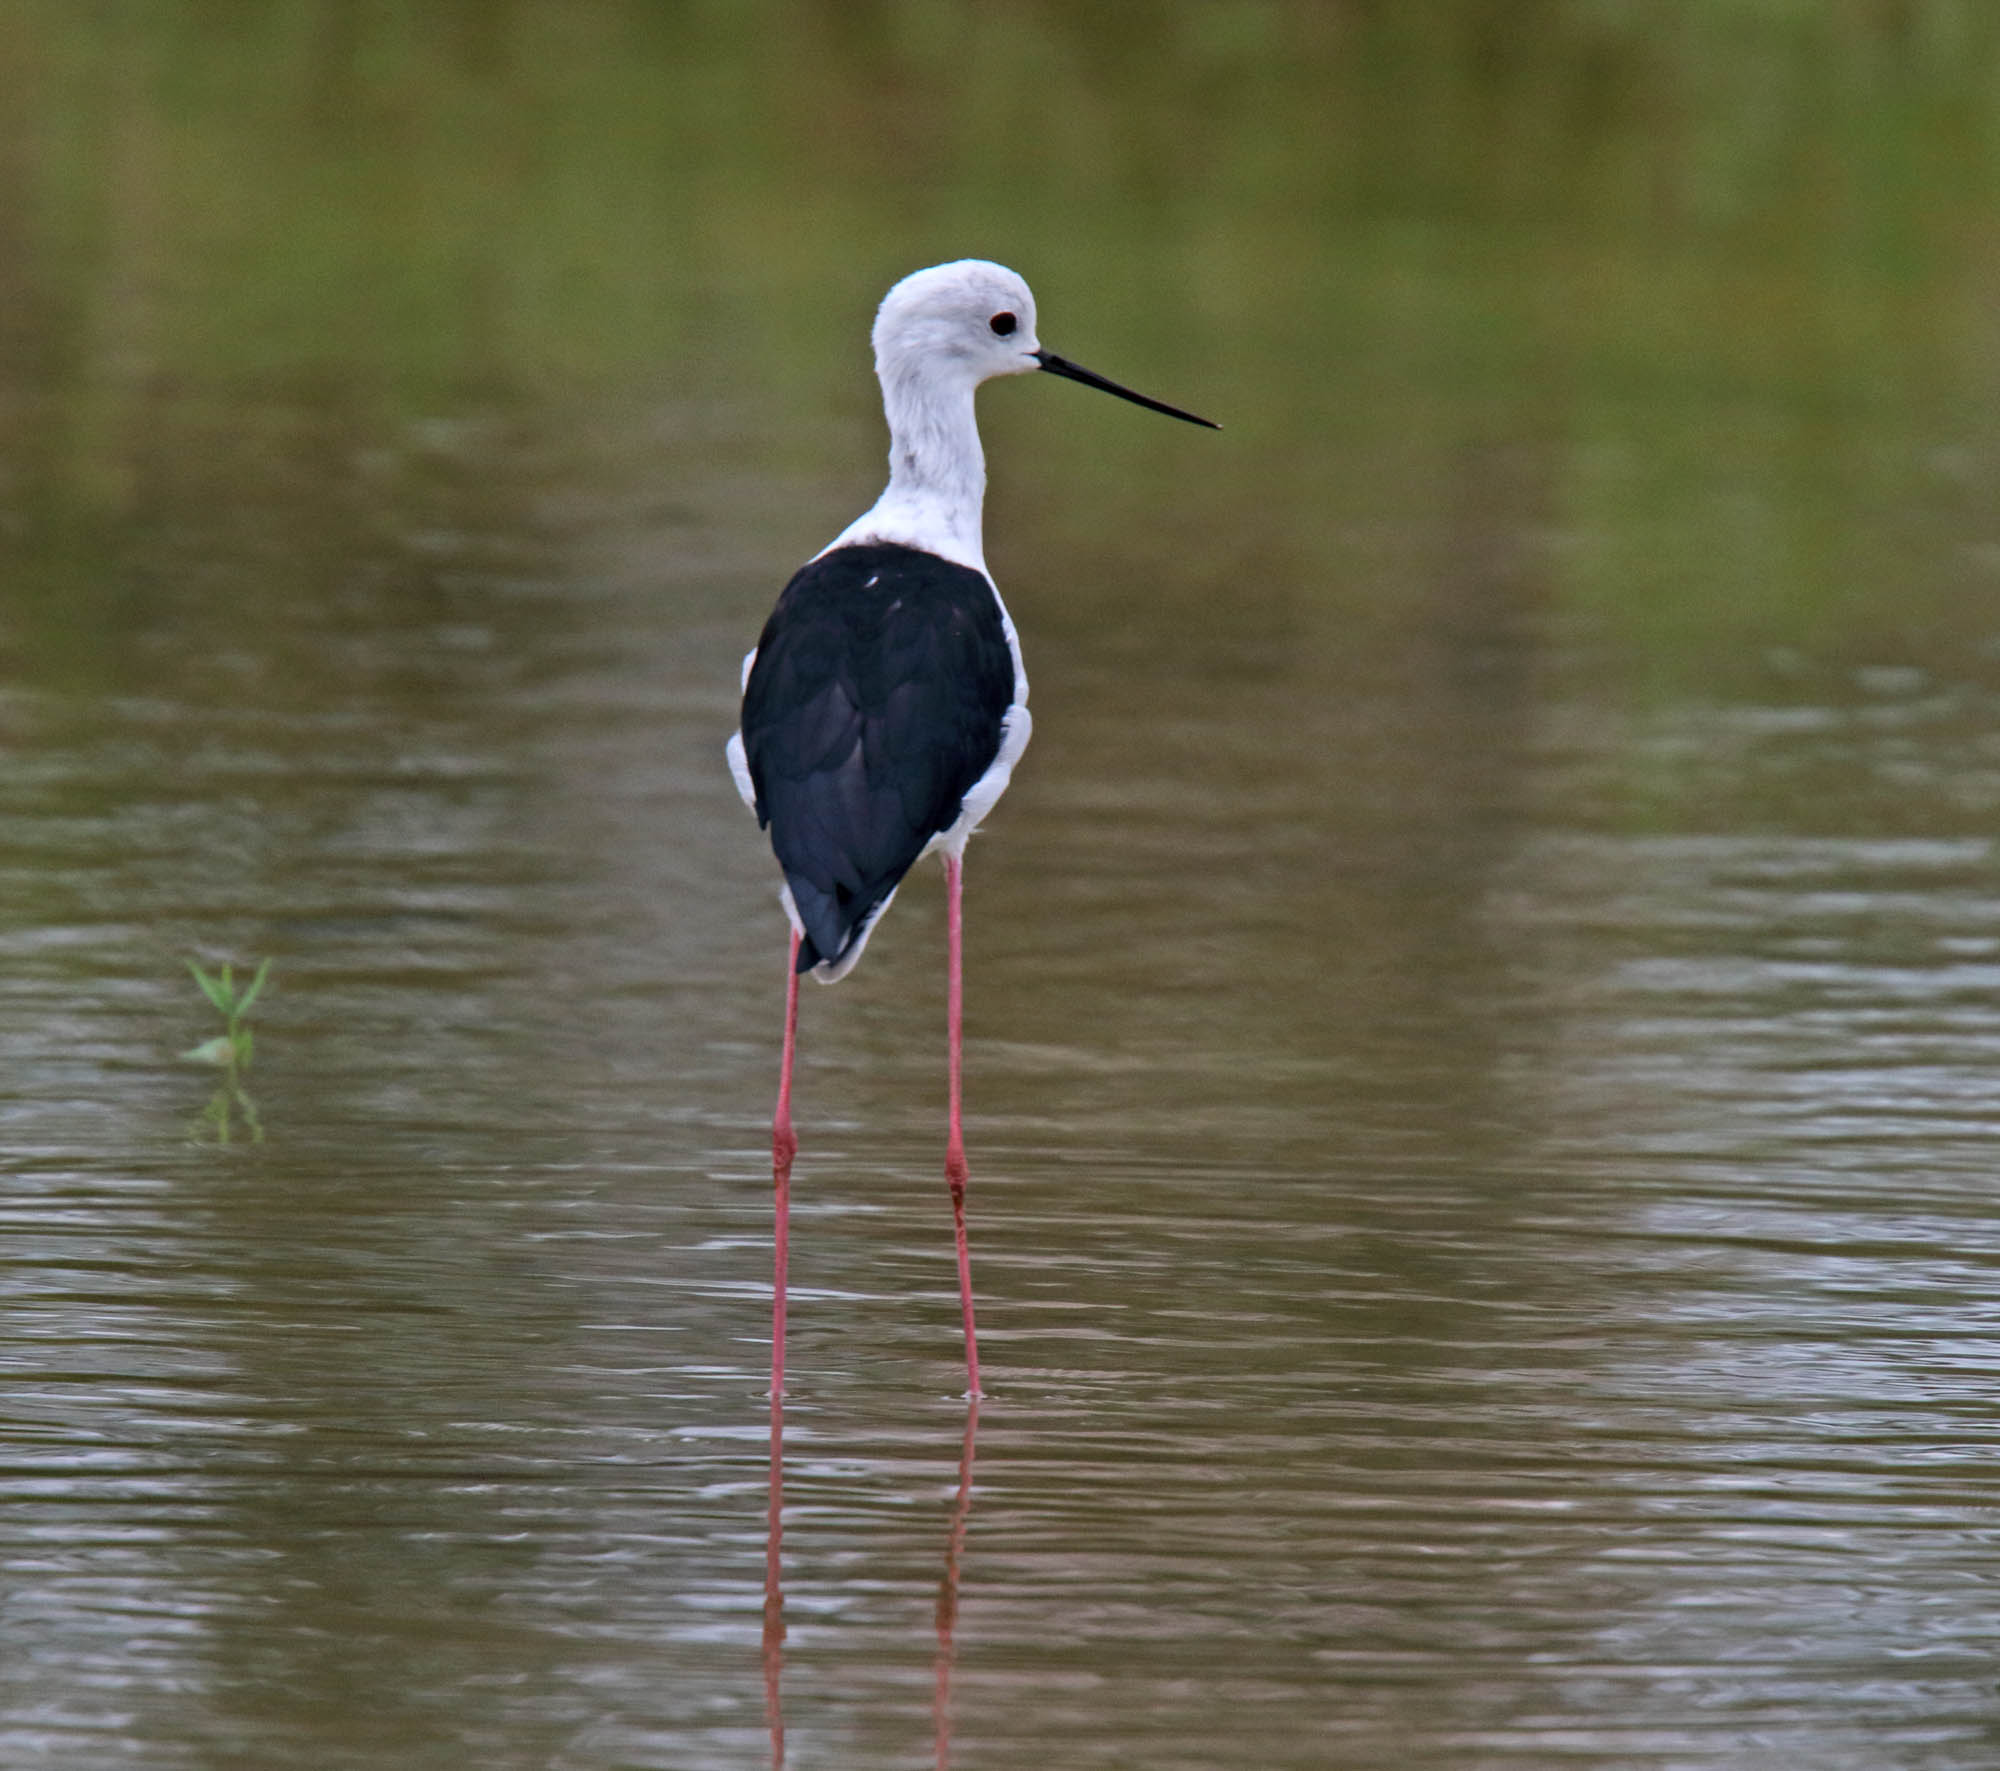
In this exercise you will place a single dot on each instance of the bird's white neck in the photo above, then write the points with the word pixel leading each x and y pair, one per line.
pixel 937 472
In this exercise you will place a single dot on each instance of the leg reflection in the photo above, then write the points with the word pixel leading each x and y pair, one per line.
pixel 947 1604
pixel 947 1601
pixel 774 1589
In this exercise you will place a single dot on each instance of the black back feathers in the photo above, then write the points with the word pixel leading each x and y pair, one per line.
pixel 877 700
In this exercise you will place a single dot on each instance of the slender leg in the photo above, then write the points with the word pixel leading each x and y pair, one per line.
pixel 784 1146
pixel 954 1151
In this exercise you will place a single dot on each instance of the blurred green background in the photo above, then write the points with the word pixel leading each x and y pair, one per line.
pixel 1728 271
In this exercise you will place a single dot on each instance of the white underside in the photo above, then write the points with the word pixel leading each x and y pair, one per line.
pixel 739 766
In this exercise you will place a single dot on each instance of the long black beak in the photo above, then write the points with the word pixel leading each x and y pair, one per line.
pixel 1062 366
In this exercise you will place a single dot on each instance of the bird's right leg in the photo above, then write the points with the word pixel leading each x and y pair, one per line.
pixel 784 1146
pixel 954 1150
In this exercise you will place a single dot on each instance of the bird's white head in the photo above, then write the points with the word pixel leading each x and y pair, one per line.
pixel 938 334
pixel 966 321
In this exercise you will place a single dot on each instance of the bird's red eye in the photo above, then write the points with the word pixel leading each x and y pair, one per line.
pixel 1003 324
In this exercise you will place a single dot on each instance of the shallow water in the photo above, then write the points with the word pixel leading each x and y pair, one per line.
pixel 1459 1279
pixel 1481 1051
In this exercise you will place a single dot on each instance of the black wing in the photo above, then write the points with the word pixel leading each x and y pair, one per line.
pixel 877 700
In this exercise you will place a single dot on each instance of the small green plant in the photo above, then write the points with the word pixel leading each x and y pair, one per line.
pixel 230 1051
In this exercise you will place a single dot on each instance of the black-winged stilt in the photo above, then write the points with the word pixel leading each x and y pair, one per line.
pixel 885 706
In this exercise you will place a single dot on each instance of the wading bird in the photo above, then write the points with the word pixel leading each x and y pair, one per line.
pixel 885 705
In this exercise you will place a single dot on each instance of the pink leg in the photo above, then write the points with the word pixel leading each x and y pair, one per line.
pixel 954 1150
pixel 784 1146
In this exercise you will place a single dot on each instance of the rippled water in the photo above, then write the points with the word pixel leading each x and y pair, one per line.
pixel 1483 999
pixel 1468 1276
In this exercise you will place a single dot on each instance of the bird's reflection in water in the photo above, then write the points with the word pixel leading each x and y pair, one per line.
pixel 947 1600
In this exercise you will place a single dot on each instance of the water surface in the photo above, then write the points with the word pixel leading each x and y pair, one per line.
pixel 1483 1000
